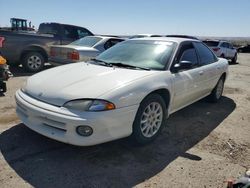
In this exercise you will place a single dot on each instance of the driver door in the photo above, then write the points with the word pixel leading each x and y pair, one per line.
pixel 186 83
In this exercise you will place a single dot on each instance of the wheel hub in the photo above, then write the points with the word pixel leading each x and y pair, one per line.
pixel 151 119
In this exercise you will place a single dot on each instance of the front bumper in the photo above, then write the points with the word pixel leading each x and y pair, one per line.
pixel 60 124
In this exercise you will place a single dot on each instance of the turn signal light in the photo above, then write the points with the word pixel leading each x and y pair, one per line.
pixel 73 55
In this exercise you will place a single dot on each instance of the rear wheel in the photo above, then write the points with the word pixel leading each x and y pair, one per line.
pixel 33 62
pixel 149 120
pixel 217 91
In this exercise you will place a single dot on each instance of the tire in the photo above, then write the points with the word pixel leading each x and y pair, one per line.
pixel 217 91
pixel 3 87
pixel 149 120
pixel 33 62
pixel 234 60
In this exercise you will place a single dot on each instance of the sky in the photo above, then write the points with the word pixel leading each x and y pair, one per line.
pixel 224 18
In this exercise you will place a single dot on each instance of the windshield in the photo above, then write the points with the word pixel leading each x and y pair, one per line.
pixel 141 53
pixel 86 41
pixel 211 43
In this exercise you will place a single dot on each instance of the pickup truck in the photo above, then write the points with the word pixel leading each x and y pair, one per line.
pixel 32 49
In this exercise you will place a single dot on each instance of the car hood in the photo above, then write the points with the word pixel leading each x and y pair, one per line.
pixel 80 80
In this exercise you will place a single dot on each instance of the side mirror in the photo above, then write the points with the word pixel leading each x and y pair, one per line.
pixel 183 65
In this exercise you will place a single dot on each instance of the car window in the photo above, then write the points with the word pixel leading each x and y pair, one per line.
pixel 48 29
pixel 81 32
pixel 187 52
pixel 204 53
pixel 190 55
pixel 142 53
pixel 225 45
pixel 111 42
pixel 211 43
pixel 70 32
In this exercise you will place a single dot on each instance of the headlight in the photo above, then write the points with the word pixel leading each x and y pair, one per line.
pixel 89 105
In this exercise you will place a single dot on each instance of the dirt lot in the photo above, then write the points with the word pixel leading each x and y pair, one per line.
pixel 202 145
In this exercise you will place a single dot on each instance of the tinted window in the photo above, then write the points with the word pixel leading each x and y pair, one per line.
pixel 230 46
pixel 225 45
pixel 48 29
pixel 70 32
pixel 206 56
pixel 111 42
pixel 86 41
pixel 83 32
pixel 211 43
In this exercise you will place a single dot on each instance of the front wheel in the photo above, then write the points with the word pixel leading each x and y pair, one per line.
pixel 149 120
pixel 217 91
pixel 33 62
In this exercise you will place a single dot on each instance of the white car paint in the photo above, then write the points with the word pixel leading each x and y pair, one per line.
pixel 40 102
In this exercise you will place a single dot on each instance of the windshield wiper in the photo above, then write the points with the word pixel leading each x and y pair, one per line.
pixel 129 66
pixel 101 62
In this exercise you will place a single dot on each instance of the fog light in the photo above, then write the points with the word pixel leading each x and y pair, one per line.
pixel 84 130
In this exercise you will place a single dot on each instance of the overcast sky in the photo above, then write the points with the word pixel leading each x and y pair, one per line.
pixel 127 17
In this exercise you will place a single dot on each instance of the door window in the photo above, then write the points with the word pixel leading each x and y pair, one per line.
pixel 111 42
pixel 187 52
pixel 81 32
pixel 70 32
pixel 205 54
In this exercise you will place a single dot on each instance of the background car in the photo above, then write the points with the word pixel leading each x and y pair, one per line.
pixel 223 49
pixel 128 90
pixel 244 49
pixel 183 36
pixel 81 50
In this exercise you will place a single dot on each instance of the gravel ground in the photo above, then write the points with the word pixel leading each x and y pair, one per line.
pixel 202 145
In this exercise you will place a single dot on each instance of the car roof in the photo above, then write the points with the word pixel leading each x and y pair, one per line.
pixel 215 40
pixel 167 39
pixel 105 37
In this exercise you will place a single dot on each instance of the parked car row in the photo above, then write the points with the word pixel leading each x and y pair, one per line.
pixel 32 49
pixel 129 90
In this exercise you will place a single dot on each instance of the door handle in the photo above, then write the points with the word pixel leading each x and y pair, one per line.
pixel 218 68
pixel 201 72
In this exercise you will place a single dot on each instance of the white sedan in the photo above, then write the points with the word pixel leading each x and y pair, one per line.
pixel 128 90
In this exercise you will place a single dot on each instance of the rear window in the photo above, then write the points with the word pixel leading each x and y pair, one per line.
pixel 48 29
pixel 86 41
pixel 211 43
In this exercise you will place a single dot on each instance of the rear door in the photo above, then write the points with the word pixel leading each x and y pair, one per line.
pixel 209 66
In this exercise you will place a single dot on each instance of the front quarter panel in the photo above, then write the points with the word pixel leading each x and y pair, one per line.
pixel 134 92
